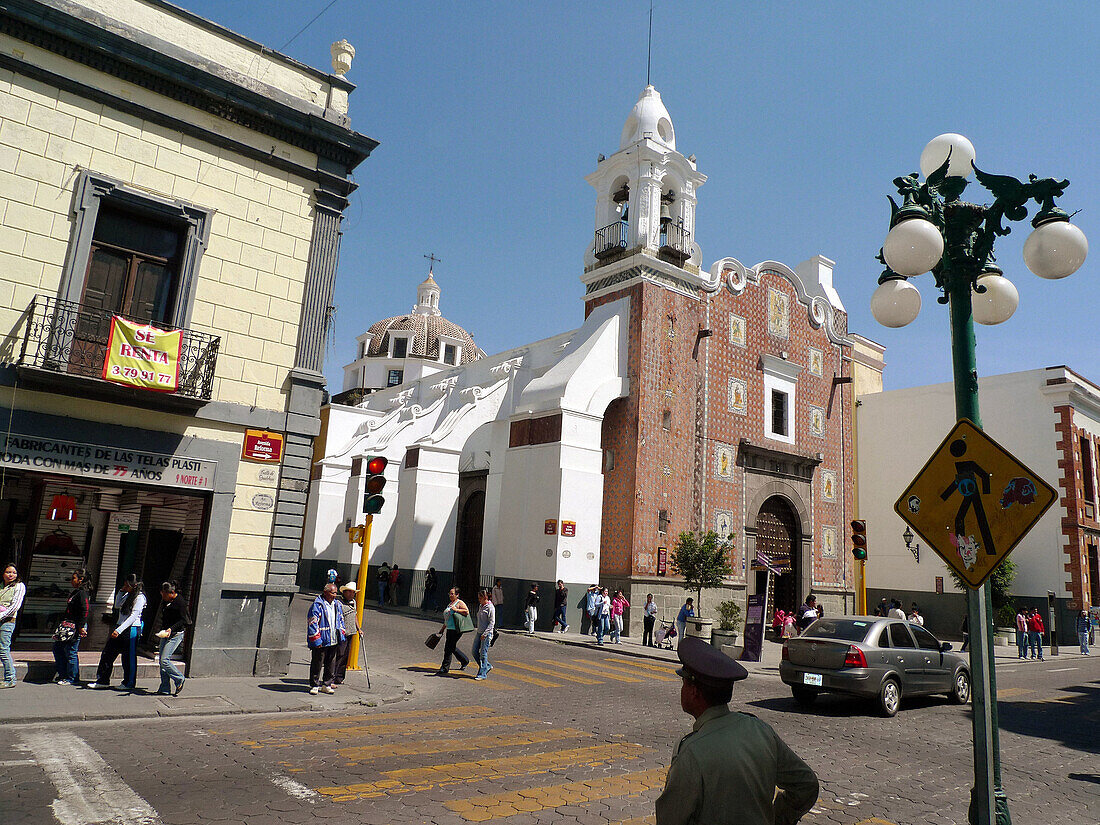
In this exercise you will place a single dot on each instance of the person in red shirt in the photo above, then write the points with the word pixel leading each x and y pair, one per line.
pixel 1035 631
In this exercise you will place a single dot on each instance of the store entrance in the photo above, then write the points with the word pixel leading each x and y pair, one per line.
pixel 51 526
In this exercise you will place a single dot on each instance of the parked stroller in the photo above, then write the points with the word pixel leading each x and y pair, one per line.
pixel 665 636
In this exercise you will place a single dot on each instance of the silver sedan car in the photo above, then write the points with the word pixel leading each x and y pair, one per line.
pixel 872 657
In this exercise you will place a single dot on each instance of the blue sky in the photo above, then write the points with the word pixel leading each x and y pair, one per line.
pixel 490 114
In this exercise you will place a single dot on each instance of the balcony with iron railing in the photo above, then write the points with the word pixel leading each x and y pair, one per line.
pixel 610 240
pixel 65 345
pixel 675 244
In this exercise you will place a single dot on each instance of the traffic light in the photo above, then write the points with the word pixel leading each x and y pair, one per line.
pixel 859 539
pixel 372 498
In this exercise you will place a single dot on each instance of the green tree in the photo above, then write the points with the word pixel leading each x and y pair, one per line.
pixel 1000 587
pixel 703 564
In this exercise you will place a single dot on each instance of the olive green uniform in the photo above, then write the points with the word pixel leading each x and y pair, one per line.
pixel 726 771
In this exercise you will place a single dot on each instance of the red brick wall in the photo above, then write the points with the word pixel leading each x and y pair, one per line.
pixel 1073 499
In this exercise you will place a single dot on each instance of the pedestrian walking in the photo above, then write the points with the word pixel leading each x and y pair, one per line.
pixel 561 595
pixel 882 609
pixel 431 582
pixel 175 618
pixel 808 613
pixel 531 609
pixel 129 604
pixel 687 611
pixel 1021 633
pixel 12 593
pixel 1083 627
pixel 914 615
pixel 351 630
pixel 1035 629
pixel 618 605
pixel 324 632
pixel 732 767
pixel 70 630
pixel 649 619
pixel 393 595
pixel 790 629
pixel 486 623
pixel 497 598
pixel 603 620
pixel 456 621
pixel 895 611
pixel 592 606
pixel 965 632
pixel 383 582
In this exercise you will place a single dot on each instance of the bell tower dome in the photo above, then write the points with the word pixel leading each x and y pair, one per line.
pixel 645 207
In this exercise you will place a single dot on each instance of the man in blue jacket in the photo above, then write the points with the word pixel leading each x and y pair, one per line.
pixel 324 633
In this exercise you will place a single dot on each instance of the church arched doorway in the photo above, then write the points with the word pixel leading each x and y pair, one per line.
pixel 467 564
pixel 778 537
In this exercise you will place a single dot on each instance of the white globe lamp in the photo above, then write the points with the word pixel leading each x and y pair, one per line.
pixel 935 153
pixel 1055 249
pixel 895 303
pixel 999 300
pixel 913 247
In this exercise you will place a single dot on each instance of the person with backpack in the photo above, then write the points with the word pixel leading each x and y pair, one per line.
pixel 383 582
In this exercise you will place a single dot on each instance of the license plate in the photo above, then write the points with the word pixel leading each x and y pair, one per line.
pixel 811 679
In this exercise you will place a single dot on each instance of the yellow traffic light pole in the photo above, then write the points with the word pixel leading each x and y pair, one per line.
pixel 360 593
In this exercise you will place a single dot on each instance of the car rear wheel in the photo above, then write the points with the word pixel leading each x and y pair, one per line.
pixel 960 688
pixel 889 697
pixel 803 696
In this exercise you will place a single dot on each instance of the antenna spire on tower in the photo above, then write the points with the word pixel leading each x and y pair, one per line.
pixel 649 50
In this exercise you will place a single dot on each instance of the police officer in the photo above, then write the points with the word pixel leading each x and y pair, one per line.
pixel 726 771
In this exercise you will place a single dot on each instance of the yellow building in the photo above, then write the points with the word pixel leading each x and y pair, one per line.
pixel 161 175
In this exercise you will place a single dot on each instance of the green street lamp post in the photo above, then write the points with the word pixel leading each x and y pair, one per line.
pixel 934 231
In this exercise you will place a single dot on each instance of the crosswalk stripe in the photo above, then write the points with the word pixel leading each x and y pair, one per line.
pixel 380 729
pixel 588 668
pixel 405 780
pixel 532 800
pixel 367 753
pixel 604 666
pixel 520 677
pixel 625 661
pixel 484 683
pixel 463 710
pixel 549 672
pixel 1006 692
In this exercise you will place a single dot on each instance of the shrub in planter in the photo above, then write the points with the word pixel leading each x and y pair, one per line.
pixel 729 616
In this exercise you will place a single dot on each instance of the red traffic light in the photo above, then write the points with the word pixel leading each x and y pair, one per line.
pixel 372 501
pixel 376 464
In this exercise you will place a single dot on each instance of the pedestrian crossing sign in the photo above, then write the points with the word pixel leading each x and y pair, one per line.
pixel 973 501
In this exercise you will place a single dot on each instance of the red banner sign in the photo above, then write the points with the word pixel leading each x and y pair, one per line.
pixel 662 561
pixel 569 528
pixel 260 445
pixel 551 527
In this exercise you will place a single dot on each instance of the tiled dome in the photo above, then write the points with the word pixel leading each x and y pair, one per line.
pixel 425 340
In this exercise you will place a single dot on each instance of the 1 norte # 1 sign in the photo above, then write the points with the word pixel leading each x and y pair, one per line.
pixel 973 502
pixel 99 462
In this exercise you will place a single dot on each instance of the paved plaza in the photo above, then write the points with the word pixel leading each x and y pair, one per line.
pixel 557 734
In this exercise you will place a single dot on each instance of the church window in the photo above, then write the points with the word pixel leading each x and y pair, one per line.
pixel 395 378
pixel 779 413
pixel 450 354
pixel 662 521
pixel 666 419
pixel 400 347
pixel 362 349
pixel 608 460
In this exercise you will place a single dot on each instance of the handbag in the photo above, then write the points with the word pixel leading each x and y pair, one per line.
pixel 432 642
pixel 463 624
pixel 65 631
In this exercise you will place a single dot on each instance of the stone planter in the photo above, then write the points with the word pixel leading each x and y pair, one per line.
pixel 701 628
pixel 720 638
pixel 1004 637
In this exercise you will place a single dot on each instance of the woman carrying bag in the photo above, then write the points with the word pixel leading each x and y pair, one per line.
pixel 123 639
pixel 456 621
pixel 72 628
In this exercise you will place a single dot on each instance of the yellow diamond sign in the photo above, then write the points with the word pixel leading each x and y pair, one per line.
pixel 973 502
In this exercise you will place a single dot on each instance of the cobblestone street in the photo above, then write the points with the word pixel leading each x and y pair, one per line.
pixel 556 734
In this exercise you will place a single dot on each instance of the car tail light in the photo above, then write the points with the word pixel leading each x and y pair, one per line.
pixel 786 653
pixel 855 658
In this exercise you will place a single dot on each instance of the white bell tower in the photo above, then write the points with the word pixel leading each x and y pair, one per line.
pixel 645 206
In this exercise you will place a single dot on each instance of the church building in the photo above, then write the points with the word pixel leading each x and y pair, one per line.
pixel 691 397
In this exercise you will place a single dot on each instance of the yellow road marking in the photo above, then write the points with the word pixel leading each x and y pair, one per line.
pixel 625 660
pixel 520 677
pixel 485 683
pixel 547 671
pixel 366 753
pixel 588 670
pixel 431 725
pixel 1001 694
pixel 465 710
pixel 874 821
pixel 405 780
pixel 531 800
pixel 605 666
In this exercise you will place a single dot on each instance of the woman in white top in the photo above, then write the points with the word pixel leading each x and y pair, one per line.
pixel 12 592
pixel 649 618
pixel 124 638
